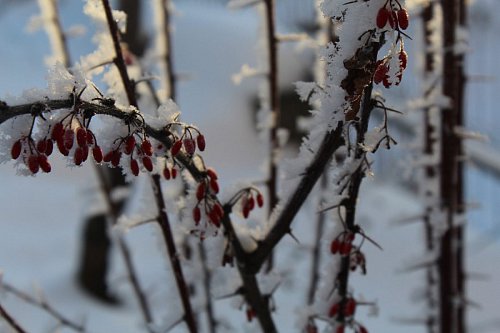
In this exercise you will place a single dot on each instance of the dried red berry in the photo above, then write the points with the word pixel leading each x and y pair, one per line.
pixel 245 211
pixel 189 145
pixel 166 173
pixel 16 149
pixel 196 215
pixel 403 18
pixel 44 163
pixel 200 191
pixel 108 157
pixel 382 17
pixel 129 145
pixel 57 131
pixel 134 166
pixel 78 157
pixel 148 164
pixel 97 153
pixel 147 147
pixel 334 310
pixel 173 172
pixel 81 136
pixel 69 138
pixel 380 73
pixel 403 59
pixel 33 164
pixel 345 248
pixel 200 140
pixel 218 210
pixel 176 147
pixel 214 217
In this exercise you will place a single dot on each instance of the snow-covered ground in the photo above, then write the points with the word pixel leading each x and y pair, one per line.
pixel 40 220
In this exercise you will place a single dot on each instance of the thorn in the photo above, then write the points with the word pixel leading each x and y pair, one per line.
pixel 293 236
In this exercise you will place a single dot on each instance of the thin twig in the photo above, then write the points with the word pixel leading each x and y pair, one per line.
pixel 44 305
pixel 173 255
pixel 10 320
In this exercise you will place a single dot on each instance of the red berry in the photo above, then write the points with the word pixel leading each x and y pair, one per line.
pixel 393 19
pixel 196 215
pixel 334 310
pixel 62 148
pixel 166 173
pixel 129 145
pixel 16 149
pixel 349 236
pixel 362 329
pixel 81 136
pixel 57 131
pixel 85 154
pixel 41 146
pixel 251 203
pixel 250 314
pixel 245 211
pixel 200 191
pixel 115 158
pixel 350 307
pixel 176 147
pixel 49 148
pixel 69 138
pixel 386 82
pixel 382 17
pixel 97 153
pixel 148 164
pixel 260 200
pixel 44 163
pixel 134 166
pixel 190 146
pixel 403 18
pixel 214 217
pixel 147 147
pixel 173 172
pixel 340 329
pixel 335 246
pixel 214 185
pixel 211 173
pixel 345 248
pixel 33 164
pixel 200 140
pixel 78 157
pixel 219 210
pixel 90 137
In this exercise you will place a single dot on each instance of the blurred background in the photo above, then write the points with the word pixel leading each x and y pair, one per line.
pixel 41 217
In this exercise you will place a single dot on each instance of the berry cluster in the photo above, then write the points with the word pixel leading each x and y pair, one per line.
pixel 136 150
pixel 187 141
pixel 395 15
pixel 342 244
pixel 206 199
pixel 35 155
pixel 248 201
pixel 348 309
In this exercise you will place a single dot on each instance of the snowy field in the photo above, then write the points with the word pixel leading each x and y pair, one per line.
pixel 41 217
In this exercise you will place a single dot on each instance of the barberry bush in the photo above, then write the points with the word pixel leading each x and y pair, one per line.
pixel 107 110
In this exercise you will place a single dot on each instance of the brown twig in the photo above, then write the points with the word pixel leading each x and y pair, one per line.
pixel 173 255
pixel 42 304
pixel 272 75
pixel 10 320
